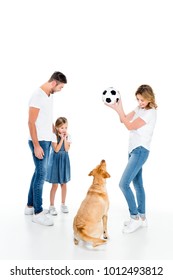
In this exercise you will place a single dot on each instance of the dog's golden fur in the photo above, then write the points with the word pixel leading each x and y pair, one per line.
pixel 90 222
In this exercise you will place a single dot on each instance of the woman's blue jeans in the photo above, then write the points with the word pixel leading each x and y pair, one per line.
pixel 133 173
pixel 38 178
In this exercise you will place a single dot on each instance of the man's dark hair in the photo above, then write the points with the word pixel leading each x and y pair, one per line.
pixel 59 77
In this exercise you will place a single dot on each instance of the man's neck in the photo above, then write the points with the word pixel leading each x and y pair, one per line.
pixel 46 89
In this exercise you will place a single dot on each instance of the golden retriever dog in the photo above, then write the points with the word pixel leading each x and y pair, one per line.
pixel 90 222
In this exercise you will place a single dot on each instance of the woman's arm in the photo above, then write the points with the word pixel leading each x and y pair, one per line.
pixel 126 119
pixel 137 123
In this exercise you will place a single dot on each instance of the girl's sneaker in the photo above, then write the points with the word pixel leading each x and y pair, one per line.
pixel 52 211
pixel 64 208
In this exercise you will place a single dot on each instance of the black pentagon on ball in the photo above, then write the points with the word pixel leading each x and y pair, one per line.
pixel 113 92
pixel 104 92
pixel 108 100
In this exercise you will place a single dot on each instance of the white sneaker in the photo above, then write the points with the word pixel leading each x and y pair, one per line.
pixel 64 208
pixel 29 210
pixel 45 211
pixel 42 219
pixel 144 223
pixel 52 211
pixel 132 226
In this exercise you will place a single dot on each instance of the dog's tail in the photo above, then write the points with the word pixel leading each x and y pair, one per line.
pixel 80 233
pixel 95 241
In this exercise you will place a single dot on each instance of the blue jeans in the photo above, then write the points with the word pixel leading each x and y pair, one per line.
pixel 38 178
pixel 133 173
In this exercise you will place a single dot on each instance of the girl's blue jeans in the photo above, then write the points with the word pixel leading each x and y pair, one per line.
pixel 38 178
pixel 133 173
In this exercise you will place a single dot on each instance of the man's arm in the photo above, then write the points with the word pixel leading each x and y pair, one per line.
pixel 33 115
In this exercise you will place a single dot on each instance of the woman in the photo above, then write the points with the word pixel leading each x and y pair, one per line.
pixel 140 122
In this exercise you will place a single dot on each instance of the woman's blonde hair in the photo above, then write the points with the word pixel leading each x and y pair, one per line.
pixel 148 94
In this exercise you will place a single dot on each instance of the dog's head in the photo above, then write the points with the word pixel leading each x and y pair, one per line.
pixel 100 171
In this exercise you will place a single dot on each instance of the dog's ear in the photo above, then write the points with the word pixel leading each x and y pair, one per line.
pixel 106 174
pixel 91 173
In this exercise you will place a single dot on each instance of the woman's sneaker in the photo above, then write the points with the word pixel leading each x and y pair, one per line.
pixel 52 211
pixel 132 225
pixel 42 219
pixel 144 223
pixel 64 208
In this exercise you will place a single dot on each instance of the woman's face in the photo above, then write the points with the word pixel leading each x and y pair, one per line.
pixel 142 101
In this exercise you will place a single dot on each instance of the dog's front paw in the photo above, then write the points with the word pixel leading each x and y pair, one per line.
pixel 105 235
pixel 76 241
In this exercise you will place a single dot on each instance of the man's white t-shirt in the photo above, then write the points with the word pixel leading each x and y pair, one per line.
pixel 142 136
pixel 42 101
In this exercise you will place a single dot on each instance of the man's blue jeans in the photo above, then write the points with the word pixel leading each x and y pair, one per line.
pixel 38 178
pixel 133 173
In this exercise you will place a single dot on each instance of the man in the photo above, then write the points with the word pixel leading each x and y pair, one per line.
pixel 40 124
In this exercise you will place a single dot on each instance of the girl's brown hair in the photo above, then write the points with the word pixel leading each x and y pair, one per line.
pixel 148 94
pixel 59 122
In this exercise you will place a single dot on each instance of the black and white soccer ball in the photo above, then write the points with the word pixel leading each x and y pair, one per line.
pixel 110 95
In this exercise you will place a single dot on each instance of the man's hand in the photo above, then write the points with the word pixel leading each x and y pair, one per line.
pixel 38 151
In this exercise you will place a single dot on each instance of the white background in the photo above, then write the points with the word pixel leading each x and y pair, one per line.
pixel 96 44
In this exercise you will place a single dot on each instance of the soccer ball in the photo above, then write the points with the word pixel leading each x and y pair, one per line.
pixel 110 95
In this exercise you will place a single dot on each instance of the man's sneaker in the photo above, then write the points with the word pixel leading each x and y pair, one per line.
pixel 29 210
pixel 45 211
pixel 144 223
pixel 42 219
pixel 52 211
pixel 64 208
pixel 132 226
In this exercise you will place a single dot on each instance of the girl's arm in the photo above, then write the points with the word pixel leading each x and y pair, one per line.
pixel 66 144
pixel 57 146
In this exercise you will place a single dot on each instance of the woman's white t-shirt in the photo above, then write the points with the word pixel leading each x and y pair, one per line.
pixel 142 136
pixel 44 103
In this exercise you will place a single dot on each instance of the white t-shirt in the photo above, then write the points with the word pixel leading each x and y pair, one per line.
pixel 142 136
pixel 42 101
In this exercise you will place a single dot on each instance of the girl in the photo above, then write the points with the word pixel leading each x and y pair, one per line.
pixel 140 123
pixel 59 164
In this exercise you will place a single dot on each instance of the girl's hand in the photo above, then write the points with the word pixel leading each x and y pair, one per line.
pixel 63 136
pixel 68 138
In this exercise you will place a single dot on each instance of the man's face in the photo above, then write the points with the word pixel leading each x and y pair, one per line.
pixel 57 87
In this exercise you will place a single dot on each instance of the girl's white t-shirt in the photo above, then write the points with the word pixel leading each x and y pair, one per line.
pixel 142 136
pixel 44 123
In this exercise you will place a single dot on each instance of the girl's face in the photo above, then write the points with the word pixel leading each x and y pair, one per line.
pixel 141 101
pixel 63 129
